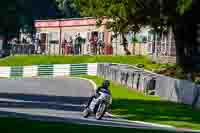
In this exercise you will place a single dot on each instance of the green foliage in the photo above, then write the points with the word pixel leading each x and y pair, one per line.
pixel 117 11
pixel 135 39
pixel 14 14
pixel 68 8
pixel 197 82
pixel 19 15
pixel 132 14
pixel 180 73
pixel 183 6
pixel 8 16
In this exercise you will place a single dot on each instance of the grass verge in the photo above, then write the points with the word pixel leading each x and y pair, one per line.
pixel 136 106
pixel 35 60
pixel 12 125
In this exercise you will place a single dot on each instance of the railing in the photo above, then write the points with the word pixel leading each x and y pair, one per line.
pixel 22 49
pixel 55 49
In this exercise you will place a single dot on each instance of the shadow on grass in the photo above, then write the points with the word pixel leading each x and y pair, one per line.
pixel 24 125
pixel 156 111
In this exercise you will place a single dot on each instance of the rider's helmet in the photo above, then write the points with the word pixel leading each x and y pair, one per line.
pixel 106 84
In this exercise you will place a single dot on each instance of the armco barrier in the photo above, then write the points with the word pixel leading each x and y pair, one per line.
pixel 167 88
pixel 48 70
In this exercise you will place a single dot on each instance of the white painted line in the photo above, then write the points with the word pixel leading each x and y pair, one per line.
pixel 38 102
pixel 91 81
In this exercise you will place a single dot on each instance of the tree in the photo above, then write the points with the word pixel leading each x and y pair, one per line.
pixel 20 14
pixel 159 14
pixel 68 8
pixel 179 20
pixel 9 21
pixel 123 15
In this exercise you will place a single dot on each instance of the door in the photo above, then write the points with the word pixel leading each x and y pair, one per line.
pixel 53 43
pixel 43 42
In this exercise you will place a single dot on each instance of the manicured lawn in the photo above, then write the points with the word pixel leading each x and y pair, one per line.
pixel 138 107
pixel 12 125
pixel 33 60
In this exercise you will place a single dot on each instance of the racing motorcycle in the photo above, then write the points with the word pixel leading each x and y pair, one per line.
pixel 99 106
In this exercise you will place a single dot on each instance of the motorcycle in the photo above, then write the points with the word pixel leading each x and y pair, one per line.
pixel 99 106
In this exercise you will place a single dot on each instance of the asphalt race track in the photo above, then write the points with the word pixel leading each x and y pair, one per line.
pixel 59 100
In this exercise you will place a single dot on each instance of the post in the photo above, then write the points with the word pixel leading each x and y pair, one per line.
pixel 155 54
pixel 116 43
pixel 60 42
pixel 170 40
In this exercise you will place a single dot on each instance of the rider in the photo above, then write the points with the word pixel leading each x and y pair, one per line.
pixel 105 85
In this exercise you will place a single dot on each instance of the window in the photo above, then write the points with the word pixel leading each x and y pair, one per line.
pixel 54 37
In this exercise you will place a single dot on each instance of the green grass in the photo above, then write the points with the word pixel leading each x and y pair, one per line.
pixel 35 60
pixel 12 125
pixel 138 107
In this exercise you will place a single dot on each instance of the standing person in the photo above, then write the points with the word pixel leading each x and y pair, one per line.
pixel 101 47
pixel 70 45
pixel 64 50
pixel 37 44
pixel 93 42
pixel 78 44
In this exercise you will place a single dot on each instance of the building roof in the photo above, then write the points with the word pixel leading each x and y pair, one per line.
pixel 86 21
pixel 64 19
pixel 65 22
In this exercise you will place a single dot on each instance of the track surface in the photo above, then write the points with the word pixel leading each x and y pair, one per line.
pixel 55 100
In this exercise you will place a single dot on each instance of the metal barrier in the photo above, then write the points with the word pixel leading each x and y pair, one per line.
pixel 22 49
pixel 167 88
pixel 122 74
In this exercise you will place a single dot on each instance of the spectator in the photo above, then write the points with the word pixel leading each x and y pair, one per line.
pixel 93 42
pixel 69 45
pixel 23 40
pixel 37 45
pixel 78 44
pixel 101 45
pixel 64 50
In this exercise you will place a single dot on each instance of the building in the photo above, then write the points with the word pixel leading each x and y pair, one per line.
pixel 53 33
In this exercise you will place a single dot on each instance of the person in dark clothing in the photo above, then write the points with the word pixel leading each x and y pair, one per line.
pixel 105 85
pixel 78 44
pixel 94 43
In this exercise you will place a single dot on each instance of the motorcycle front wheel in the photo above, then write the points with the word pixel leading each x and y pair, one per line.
pixel 86 113
pixel 101 111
